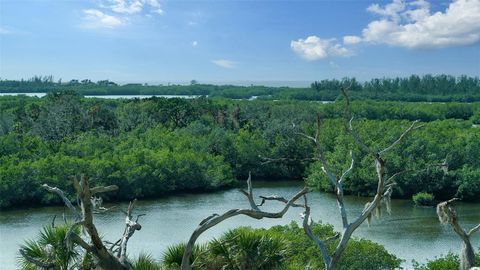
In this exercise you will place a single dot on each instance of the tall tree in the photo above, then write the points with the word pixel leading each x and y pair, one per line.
pixel 382 195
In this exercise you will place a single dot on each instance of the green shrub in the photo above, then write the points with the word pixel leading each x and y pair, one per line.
pixel 172 258
pixel 448 262
pixel 244 248
pixel 423 199
pixel 50 247
pixel 287 247
pixel 145 262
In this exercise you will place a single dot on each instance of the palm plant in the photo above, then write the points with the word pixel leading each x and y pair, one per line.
pixel 49 250
pixel 172 257
pixel 244 248
pixel 146 262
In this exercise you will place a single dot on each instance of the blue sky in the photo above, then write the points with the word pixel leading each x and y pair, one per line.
pixel 237 41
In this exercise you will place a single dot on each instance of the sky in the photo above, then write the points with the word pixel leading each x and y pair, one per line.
pixel 160 41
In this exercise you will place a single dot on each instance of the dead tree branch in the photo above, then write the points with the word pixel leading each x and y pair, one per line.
pixel 62 195
pixel 448 215
pixel 130 227
pixel 383 192
pixel 254 212
pixel 89 204
pixel 308 231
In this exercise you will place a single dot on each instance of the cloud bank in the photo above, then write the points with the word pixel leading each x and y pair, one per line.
pixel 407 24
pixel 413 25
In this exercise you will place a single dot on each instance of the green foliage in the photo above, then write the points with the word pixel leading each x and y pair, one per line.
pixel 469 184
pixel 423 199
pixel 244 248
pixel 414 88
pixel 172 257
pixel 153 147
pixel 145 262
pixel 282 247
pixel 49 248
pixel 359 254
pixel 450 261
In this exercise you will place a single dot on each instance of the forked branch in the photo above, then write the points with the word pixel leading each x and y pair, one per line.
pixel 88 204
pixel 448 215
pixel 383 192
pixel 254 212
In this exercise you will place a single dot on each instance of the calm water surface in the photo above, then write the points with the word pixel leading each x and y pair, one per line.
pixel 106 96
pixel 410 233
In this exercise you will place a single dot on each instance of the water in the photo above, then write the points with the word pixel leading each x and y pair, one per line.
pixel 24 94
pixel 107 96
pixel 410 233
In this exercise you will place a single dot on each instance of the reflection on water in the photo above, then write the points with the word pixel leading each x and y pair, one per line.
pixel 410 232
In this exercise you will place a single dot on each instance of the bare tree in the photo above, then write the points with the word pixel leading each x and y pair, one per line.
pixel 448 215
pixel 254 212
pixel 105 258
pixel 382 195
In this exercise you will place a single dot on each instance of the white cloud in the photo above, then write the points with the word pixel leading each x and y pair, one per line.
pixel 352 39
pixel 129 7
pixel 314 48
pixel 94 18
pixel 152 3
pixel 391 10
pixel 225 63
pixel 114 13
pixel 134 6
pixel 412 25
pixel 194 43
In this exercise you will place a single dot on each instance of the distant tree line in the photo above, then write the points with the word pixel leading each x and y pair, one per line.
pixel 434 88
pixel 156 146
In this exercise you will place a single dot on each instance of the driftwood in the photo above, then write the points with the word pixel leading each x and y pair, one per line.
pixel 383 192
pixel 254 212
pixel 88 204
pixel 448 215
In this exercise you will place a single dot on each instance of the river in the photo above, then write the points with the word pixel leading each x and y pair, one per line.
pixel 39 95
pixel 410 232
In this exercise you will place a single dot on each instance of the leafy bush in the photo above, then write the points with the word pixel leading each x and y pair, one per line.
pixel 145 262
pixel 244 248
pixel 450 261
pixel 172 257
pixel 469 185
pixel 423 199
pixel 49 248
pixel 153 147
pixel 283 247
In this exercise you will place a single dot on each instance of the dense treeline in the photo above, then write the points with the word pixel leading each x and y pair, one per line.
pixel 156 146
pixel 414 88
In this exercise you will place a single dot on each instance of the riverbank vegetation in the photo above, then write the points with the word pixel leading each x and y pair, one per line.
pixel 423 199
pixel 441 88
pixel 450 261
pixel 156 146
pixel 280 247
